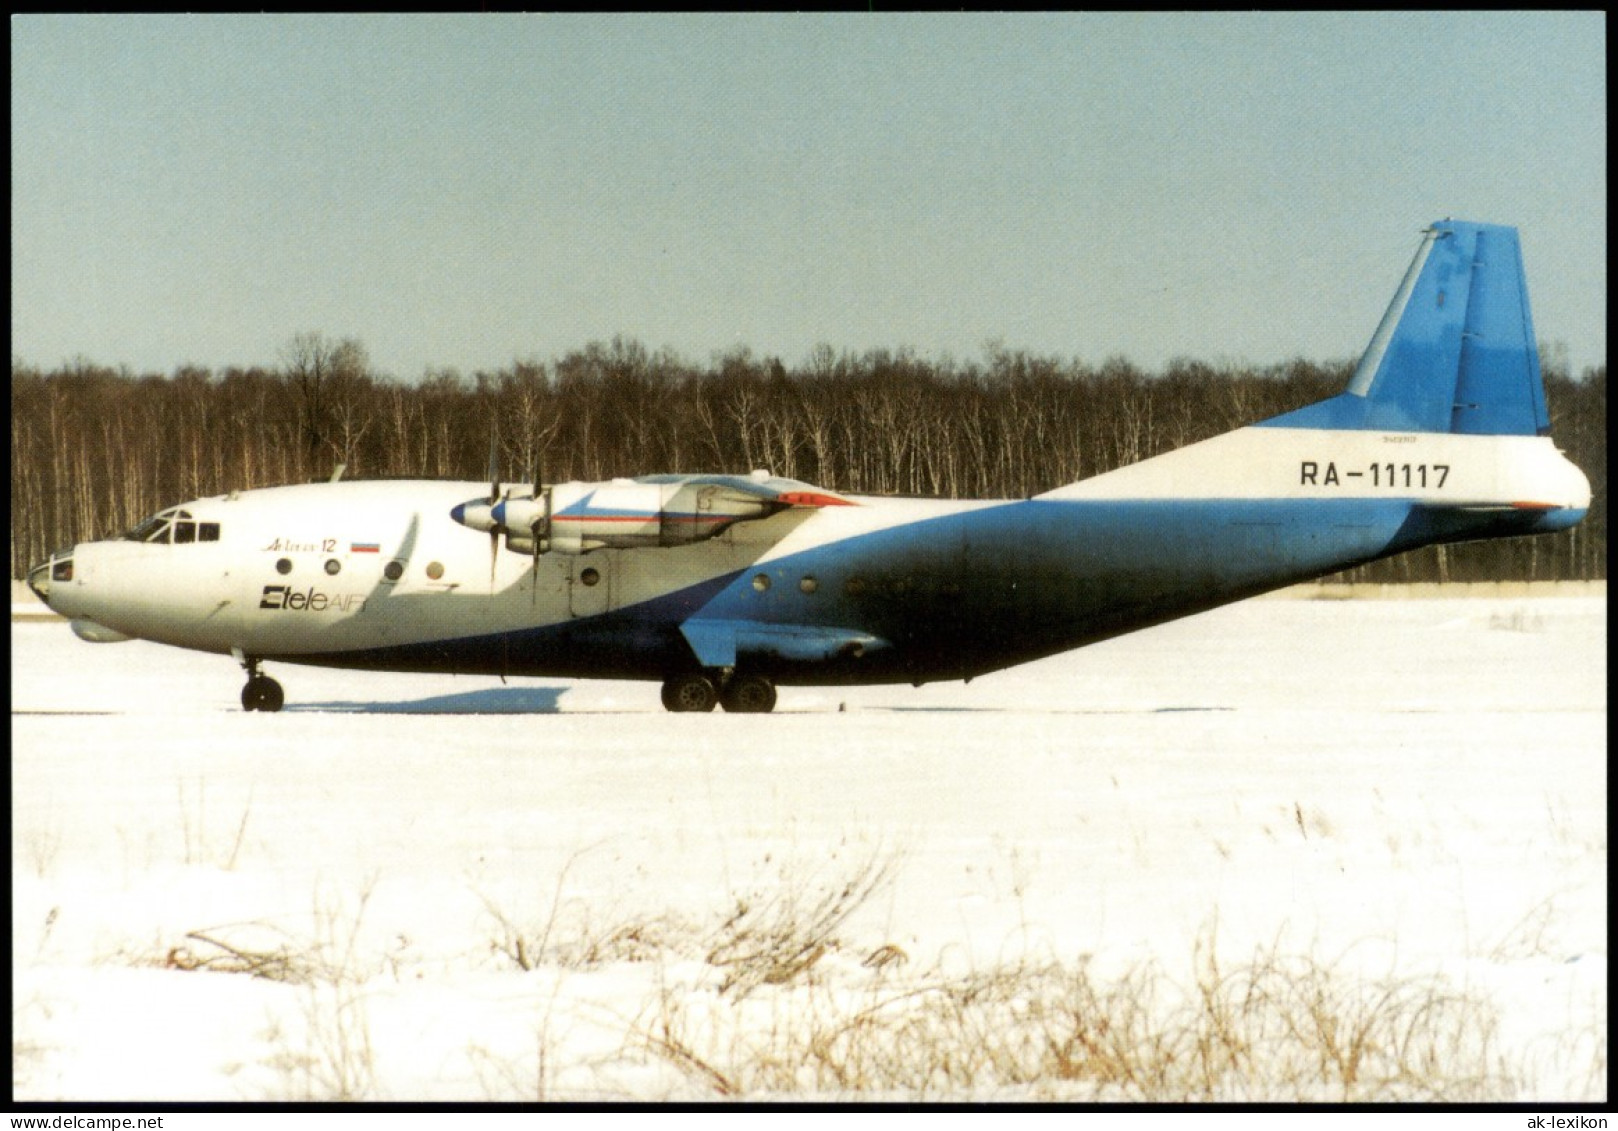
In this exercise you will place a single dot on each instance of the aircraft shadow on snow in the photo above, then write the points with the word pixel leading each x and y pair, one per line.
pixel 490 701
pixel 547 701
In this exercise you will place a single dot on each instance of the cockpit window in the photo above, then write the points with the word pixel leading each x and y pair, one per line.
pixel 176 526
pixel 155 525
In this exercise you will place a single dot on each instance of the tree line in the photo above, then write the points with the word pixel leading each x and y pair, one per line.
pixel 95 448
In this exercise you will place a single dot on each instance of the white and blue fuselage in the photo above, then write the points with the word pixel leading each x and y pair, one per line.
pixel 1442 437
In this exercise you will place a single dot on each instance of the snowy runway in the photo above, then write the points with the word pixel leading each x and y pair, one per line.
pixel 1390 786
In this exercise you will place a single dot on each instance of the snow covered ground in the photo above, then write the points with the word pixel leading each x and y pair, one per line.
pixel 436 888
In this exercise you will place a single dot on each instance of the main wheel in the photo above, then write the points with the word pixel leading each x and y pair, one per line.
pixel 691 692
pixel 262 694
pixel 748 695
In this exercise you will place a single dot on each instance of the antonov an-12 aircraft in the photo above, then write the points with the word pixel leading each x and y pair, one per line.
pixel 724 586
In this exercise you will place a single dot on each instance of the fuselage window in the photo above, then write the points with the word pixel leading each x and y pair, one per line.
pixel 185 531
pixel 207 532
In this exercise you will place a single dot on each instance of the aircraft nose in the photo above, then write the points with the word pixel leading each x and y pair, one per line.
pixel 39 580
pixel 57 567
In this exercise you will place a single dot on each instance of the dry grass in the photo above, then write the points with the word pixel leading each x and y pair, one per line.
pixel 201 842
pixel 1273 1028
pixel 778 1021
pixel 768 935
pixel 776 935
pixel 769 999
pixel 329 1058
pixel 574 934
pixel 325 1054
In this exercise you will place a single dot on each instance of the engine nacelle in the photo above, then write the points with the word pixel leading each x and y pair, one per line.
pixel 624 513
pixel 575 518
pixel 674 510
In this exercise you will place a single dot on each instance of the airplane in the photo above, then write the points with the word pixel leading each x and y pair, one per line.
pixel 724 587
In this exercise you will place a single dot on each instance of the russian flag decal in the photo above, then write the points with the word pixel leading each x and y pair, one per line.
pixel 364 548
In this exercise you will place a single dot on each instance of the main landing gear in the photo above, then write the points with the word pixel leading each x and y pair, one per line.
pixel 261 693
pixel 740 694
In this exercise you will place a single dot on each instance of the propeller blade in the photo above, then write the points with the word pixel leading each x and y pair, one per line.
pixel 494 497
pixel 541 528
pixel 494 466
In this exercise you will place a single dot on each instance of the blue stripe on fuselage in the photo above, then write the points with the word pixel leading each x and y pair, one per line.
pixel 977 590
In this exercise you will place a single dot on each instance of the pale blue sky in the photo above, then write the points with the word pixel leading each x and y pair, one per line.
pixel 469 190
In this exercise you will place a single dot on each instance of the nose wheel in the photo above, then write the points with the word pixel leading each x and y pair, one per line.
pixel 261 693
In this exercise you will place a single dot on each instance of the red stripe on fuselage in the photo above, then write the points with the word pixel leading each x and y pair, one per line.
pixel 643 517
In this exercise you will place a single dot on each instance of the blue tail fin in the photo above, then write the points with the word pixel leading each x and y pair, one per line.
pixel 1455 351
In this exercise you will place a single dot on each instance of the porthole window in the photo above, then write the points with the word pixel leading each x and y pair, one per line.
pixel 435 570
pixel 333 565
pixel 590 575
pixel 393 571
pixel 761 582
pixel 808 585
pixel 854 586
pixel 284 566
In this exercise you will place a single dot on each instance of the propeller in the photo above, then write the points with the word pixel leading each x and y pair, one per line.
pixel 540 526
pixel 494 497
pixel 512 514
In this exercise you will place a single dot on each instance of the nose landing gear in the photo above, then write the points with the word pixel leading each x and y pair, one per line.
pixel 261 693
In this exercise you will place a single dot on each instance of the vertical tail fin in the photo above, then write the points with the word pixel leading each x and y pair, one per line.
pixel 1454 353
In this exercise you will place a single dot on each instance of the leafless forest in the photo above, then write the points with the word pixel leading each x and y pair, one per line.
pixel 95 449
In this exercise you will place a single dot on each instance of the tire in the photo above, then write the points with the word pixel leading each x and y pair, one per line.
pixel 691 692
pixel 748 695
pixel 262 694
